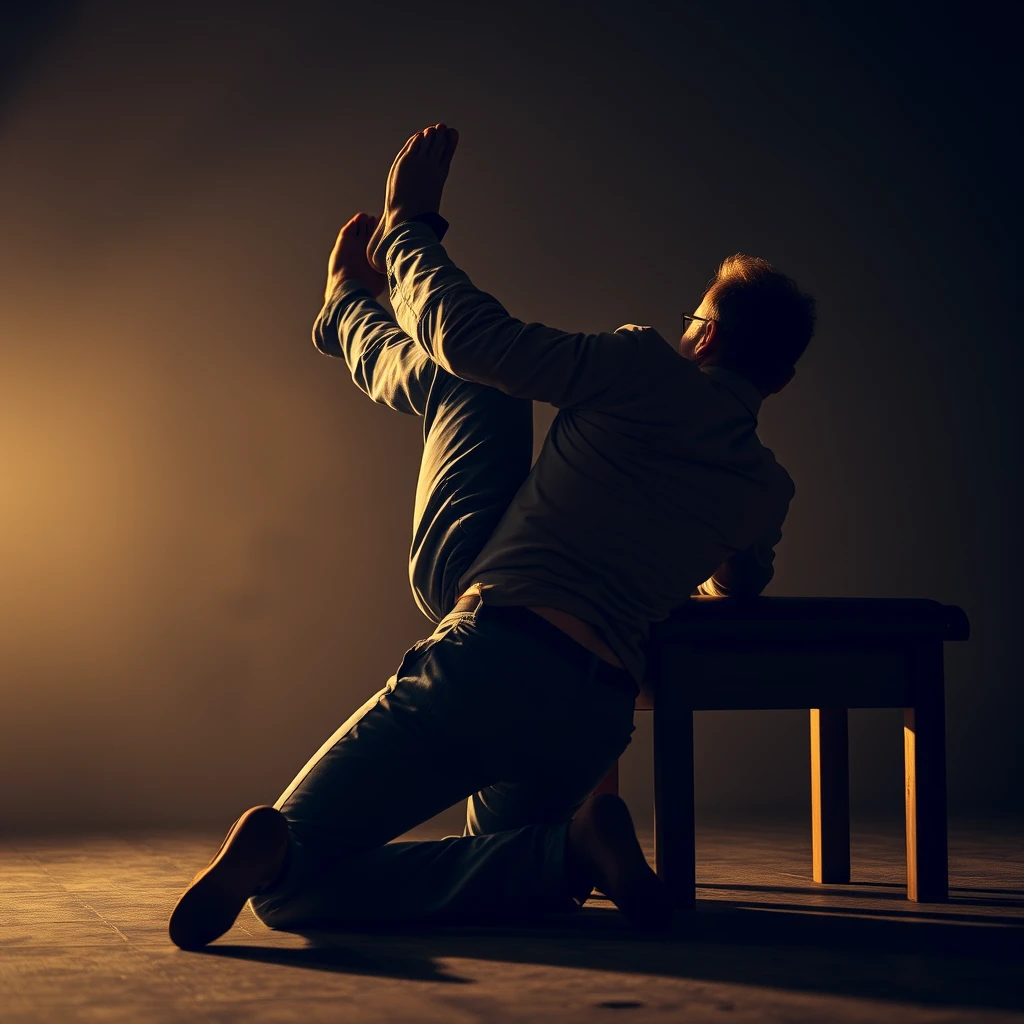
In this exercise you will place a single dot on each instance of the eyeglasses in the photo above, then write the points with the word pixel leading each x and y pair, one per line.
pixel 683 317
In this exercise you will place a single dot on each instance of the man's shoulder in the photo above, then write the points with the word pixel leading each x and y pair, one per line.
pixel 662 357
pixel 642 334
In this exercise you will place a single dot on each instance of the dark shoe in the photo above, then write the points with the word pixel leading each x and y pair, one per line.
pixel 251 856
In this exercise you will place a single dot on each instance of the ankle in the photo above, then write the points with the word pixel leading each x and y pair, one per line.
pixel 579 875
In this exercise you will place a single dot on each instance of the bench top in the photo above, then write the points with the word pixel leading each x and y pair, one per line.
pixel 823 618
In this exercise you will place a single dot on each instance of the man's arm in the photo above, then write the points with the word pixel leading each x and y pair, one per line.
pixel 745 574
pixel 471 335
pixel 465 330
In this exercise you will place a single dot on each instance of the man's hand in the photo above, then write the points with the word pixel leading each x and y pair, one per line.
pixel 415 183
pixel 348 257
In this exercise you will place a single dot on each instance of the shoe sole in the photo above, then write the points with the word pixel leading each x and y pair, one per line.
pixel 212 903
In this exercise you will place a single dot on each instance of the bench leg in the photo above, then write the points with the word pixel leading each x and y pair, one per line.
pixel 610 783
pixel 924 751
pixel 830 795
pixel 674 840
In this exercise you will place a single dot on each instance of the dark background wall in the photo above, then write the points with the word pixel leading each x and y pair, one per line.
pixel 204 525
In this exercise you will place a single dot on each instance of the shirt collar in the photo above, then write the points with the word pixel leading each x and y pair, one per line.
pixel 742 388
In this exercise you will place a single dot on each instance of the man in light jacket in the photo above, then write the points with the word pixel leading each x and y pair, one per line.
pixel 543 583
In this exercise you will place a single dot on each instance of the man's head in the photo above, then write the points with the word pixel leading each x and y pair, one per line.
pixel 753 321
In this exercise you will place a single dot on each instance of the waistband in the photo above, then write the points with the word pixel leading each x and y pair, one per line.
pixel 585 661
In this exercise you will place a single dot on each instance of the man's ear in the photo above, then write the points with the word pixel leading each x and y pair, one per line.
pixel 707 337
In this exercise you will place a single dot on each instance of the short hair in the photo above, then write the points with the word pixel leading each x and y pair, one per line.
pixel 765 320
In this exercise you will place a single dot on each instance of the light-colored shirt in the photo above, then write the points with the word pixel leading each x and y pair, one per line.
pixel 651 483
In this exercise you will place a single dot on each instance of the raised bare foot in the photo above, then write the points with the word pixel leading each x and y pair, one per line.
pixel 251 856
pixel 415 183
pixel 603 850
pixel 348 257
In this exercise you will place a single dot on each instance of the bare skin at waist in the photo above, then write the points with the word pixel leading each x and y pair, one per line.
pixel 582 632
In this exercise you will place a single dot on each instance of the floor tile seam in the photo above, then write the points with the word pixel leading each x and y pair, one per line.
pixel 155 963
pixel 137 951
pixel 75 898
pixel 184 988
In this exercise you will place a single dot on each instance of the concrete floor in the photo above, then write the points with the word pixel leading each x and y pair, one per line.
pixel 83 938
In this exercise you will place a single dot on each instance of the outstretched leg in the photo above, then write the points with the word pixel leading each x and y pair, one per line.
pixel 477 449
pixel 477 441
pixel 385 363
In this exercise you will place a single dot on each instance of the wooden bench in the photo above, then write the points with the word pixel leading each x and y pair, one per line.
pixel 823 654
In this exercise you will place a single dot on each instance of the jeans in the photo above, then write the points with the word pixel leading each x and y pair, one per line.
pixel 496 705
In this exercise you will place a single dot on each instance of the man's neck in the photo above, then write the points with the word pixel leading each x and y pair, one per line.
pixel 742 387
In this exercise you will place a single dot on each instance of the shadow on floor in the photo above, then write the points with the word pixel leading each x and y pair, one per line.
pixel 328 954
pixel 1016 895
pixel 902 907
pixel 931 962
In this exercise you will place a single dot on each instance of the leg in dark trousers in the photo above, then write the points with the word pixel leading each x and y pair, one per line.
pixel 474 706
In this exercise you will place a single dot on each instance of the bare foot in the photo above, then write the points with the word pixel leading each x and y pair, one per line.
pixel 602 849
pixel 348 257
pixel 251 856
pixel 415 183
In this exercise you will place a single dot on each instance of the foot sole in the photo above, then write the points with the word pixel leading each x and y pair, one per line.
pixel 249 857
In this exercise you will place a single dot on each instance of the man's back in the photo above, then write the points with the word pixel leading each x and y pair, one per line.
pixel 637 499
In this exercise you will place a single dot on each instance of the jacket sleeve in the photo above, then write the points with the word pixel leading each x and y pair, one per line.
pixel 470 334
pixel 383 360
pixel 748 572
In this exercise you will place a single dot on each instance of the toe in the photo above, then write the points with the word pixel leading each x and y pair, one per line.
pixel 433 140
pixel 451 140
pixel 410 144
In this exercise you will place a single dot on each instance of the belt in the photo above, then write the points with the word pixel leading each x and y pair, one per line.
pixel 551 637
pixel 467 603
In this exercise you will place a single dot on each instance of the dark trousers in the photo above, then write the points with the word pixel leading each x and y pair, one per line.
pixel 496 705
